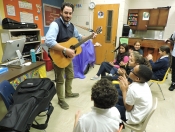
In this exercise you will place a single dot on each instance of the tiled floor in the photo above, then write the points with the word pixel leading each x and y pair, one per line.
pixel 163 120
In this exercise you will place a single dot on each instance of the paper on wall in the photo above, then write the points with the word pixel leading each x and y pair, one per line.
pixel 26 17
pixel 10 10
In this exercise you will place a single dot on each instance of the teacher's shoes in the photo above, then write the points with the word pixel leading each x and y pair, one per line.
pixel 73 95
pixel 63 104
pixel 172 87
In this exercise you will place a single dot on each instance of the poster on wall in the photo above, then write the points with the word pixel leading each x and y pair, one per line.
pixel 10 10
pixel 145 15
pixel 100 14
pixel 50 14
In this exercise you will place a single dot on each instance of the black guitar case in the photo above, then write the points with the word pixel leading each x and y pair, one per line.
pixel 31 97
pixel 8 23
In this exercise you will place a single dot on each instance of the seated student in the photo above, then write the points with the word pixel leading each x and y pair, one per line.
pixel 134 59
pixel 160 67
pixel 137 47
pixel 137 97
pixel 104 116
pixel 121 59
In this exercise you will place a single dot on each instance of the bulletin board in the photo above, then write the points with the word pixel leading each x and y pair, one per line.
pixel 25 11
pixel 50 14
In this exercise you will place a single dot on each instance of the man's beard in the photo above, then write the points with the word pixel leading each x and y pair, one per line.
pixel 64 19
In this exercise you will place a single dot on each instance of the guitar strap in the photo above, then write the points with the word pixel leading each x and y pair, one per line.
pixel 85 28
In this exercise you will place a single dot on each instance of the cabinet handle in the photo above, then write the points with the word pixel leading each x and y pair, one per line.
pixel 145 25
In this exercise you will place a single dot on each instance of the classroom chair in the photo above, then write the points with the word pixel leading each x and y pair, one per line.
pixel 142 126
pixel 6 93
pixel 160 82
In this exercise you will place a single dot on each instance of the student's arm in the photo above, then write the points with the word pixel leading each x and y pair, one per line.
pixel 123 82
pixel 158 64
pixel 77 116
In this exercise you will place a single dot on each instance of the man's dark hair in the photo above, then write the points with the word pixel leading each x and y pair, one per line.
pixel 67 4
pixel 144 73
pixel 104 94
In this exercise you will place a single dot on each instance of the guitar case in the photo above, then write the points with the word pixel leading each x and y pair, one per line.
pixel 31 97
pixel 8 23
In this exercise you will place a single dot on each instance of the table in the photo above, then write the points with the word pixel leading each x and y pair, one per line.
pixel 14 73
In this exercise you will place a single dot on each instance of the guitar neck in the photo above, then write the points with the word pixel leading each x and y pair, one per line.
pixel 82 41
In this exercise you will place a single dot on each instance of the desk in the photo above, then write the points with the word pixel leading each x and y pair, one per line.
pixel 14 73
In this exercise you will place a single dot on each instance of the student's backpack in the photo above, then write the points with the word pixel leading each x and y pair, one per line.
pixel 31 97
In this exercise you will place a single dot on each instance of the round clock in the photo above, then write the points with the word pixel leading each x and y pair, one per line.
pixel 92 5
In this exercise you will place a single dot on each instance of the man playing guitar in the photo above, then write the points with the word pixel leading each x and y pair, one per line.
pixel 60 31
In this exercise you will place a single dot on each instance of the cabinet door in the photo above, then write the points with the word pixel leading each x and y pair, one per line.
pixel 142 24
pixel 163 16
pixel 154 15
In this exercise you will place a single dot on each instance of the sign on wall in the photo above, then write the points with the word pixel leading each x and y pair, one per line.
pixel 50 14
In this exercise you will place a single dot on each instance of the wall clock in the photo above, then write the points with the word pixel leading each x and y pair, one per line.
pixel 92 5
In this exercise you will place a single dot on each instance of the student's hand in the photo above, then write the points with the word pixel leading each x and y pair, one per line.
pixel 123 82
pixel 70 53
pixel 122 63
pixel 121 71
pixel 111 63
pixel 149 57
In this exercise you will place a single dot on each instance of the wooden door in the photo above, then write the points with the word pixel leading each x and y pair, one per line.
pixel 105 16
pixel 163 17
pixel 142 24
pixel 153 20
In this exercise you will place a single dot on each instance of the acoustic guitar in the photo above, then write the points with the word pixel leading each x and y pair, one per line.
pixel 60 59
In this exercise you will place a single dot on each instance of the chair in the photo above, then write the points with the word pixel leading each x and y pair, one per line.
pixel 142 126
pixel 115 82
pixel 6 92
pixel 160 82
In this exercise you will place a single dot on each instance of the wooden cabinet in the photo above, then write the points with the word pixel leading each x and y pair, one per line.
pixel 163 16
pixel 33 40
pixel 153 19
pixel 142 24
pixel 157 18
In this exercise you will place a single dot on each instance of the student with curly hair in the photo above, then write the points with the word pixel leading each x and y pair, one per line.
pixel 104 116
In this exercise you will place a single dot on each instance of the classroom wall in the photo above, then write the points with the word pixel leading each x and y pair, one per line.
pixel 56 3
pixel 84 14
pixel 1 17
pixel 140 4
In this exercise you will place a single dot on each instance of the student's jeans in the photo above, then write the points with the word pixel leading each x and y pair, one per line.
pixel 104 67
pixel 173 69
pixel 61 74
pixel 114 71
pixel 120 106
